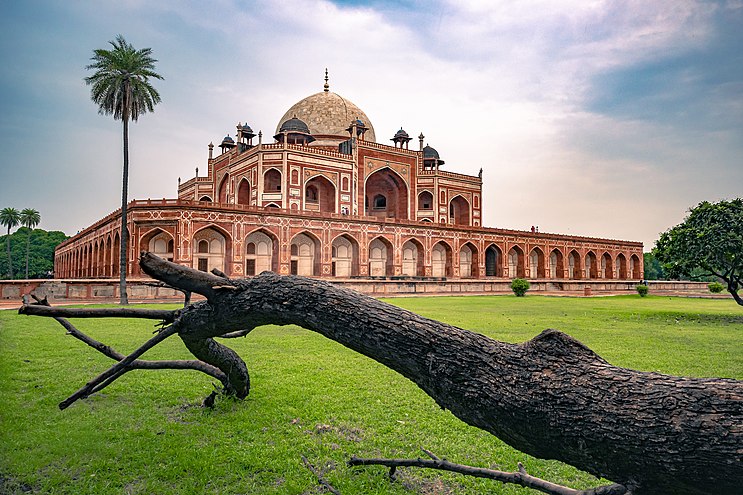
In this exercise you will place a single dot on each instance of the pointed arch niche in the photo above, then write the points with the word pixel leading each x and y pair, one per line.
pixel 493 261
pixel 261 253
pixel 412 258
pixel 386 195
pixel 210 247
pixel 380 258
pixel 345 256
pixel 305 255
pixel 319 195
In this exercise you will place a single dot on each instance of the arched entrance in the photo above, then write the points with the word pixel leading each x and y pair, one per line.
pixel 272 181
pixel 319 195
pixel 592 269
pixel 425 201
pixel 493 263
pixel 345 253
pixel 222 192
pixel 621 267
pixel 209 250
pixel 412 258
pixel 607 268
pixel 575 271
pixel 260 253
pixel 635 267
pixel 243 193
pixel 459 211
pixel 536 263
pixel 305 255
pixel 516 263
pixel 557 268
pixel 380 258
pixel 386 195
pixel 468 261
pixel 441 265
pixel 159 243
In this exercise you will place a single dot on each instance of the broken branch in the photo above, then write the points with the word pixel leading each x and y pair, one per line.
pixel 519 477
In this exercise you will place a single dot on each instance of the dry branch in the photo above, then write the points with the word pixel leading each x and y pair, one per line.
pixel 520 477
pixel 320 477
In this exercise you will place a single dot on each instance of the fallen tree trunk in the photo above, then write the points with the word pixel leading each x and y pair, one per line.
pixel 550 397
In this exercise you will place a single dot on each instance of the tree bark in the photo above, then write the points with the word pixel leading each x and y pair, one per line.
pixel 123 297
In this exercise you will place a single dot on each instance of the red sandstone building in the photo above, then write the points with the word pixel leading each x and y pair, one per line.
pixel 324 199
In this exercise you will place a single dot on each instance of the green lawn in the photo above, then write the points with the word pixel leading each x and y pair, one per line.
pixel 147 433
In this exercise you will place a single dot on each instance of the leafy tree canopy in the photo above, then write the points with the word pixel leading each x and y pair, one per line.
pixel 41 252
pixel 709 242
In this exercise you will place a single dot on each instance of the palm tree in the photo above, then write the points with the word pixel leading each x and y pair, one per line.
pixel 9 217
pixel 121 87
pixel 29 218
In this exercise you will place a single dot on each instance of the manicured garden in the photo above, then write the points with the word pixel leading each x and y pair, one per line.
pixel 148 433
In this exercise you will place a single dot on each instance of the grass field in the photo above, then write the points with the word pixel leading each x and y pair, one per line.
pixel 148 434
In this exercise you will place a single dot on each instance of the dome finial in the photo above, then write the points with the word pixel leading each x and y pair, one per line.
pixel 326 87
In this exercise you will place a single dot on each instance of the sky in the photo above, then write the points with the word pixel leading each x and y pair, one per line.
pixel 597 118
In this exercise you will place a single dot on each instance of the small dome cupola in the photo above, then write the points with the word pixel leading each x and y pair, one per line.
pixel 296 132
pixel 431 159
pixel 227 143
pixel 245 134
pixel 401 139
pixel 360 127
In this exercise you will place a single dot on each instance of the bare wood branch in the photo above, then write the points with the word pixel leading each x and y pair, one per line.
pixel 193 281
pixel 152 314
pixel 320 477
pixel 519 477
pixel 116 370
pixel 112 353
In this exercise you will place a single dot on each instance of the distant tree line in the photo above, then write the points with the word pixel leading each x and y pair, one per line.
pixel 29 252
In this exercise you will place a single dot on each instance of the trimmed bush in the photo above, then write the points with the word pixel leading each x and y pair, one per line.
pixel 519 286
pixel 715 287
pixel 642 290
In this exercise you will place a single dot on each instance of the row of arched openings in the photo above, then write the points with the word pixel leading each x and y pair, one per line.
pixel 98 259
pixel 386 195
pixel 210 250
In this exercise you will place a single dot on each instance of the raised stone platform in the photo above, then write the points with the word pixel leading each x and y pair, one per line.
pixel 69 291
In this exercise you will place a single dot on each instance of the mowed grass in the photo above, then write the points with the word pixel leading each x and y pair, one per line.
pixel 148 434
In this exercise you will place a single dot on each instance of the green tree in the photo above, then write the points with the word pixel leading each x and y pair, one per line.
pixel 653 268
pixel 41 255
pixel 121 87
pixel 29 218
pixel 709 242
pixel 9 217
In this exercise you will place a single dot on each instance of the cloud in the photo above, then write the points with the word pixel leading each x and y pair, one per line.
pixel 597 118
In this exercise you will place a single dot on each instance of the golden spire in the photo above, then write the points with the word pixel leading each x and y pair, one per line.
pixel 326 87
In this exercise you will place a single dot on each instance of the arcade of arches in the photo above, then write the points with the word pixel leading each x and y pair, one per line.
pixel 346 254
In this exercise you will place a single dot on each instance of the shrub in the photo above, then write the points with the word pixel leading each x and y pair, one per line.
pixel 715 287
pixel 642 290
pixel 519 286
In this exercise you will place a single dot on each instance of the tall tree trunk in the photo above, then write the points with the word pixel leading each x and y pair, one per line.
pixel 123 299
pixel 28 247
pixel 550 397
pixel 10 262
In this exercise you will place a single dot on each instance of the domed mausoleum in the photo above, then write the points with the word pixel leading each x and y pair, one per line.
pixel 324 199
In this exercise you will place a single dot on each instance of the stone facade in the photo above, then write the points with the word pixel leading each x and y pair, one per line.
pixel 325 200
